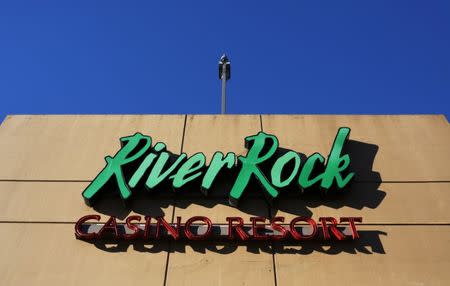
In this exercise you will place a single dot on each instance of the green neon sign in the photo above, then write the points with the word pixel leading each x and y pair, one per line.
pixel 155 167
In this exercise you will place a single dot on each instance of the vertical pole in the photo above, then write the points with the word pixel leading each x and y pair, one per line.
pixel 224 86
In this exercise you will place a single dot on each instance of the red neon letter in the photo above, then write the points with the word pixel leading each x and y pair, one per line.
pixel 299 236
pixel 277 227
pixel 255 228
pixel 147 226
pixel 132 227
pixel 240 232
pixel 111 224
pixel 190 235
pixel 351 221
pixel 170 229
pixel 78 231
pixel 333 227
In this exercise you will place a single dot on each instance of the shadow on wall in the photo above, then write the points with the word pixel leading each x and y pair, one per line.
pixel 369 242
pixel 363 192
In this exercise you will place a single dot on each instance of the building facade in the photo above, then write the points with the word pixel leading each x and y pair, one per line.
pixel 401 190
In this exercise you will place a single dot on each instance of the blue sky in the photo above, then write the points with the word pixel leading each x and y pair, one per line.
pixel 364 57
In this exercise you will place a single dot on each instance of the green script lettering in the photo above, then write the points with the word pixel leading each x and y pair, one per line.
pixel 146 164
pixel 250 163
pixel 114 165
pixel 260 149
pixel 337 163
pixel 277 169
pixel 304 180
pixel 157 175
pixel 193 164
pixel 217 163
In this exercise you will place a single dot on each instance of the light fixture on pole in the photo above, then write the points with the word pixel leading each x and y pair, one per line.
pixel 224 75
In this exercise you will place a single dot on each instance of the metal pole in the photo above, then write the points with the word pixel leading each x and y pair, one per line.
pixel 224 75
pixel 224 86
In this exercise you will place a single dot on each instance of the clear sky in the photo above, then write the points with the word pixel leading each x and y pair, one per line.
pixel 367 57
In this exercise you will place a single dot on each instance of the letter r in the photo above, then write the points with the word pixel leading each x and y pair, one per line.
pixel 114 165
pixel 250 167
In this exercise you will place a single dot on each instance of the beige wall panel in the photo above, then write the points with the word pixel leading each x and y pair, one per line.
pixel 414 255
pixel 73 147
pixel 209 263
pixel 226 133
pixel 62 202
pixel 219 265
pixel 49 254
pixel 411 147
pixel 424 203
pixel 392 203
